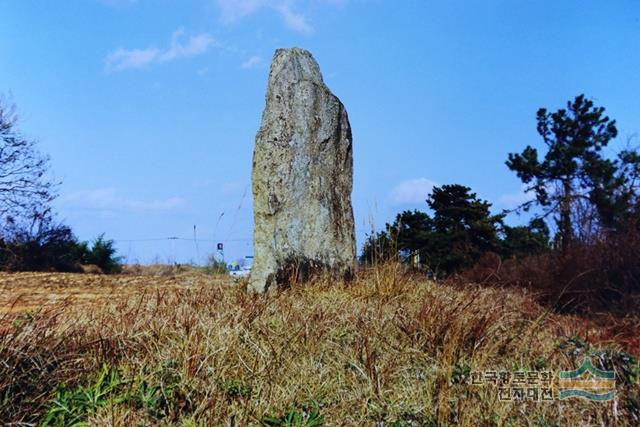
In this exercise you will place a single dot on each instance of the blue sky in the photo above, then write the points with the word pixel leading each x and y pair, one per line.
pixel 149 109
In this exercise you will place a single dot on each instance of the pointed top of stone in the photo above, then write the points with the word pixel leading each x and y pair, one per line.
pixel 293 65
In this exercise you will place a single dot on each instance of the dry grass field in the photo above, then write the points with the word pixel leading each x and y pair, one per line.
pixel 27 292
pixel 180 347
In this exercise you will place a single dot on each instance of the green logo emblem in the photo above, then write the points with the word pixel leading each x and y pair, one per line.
pixel 588 382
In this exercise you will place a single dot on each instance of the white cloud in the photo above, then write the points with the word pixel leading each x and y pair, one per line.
pixel 412 191
pixel 232 10
pixel 195 46
pixel 107 199
pixel 295 21
pixel 252 62
pixel 513 200
pixel 122 59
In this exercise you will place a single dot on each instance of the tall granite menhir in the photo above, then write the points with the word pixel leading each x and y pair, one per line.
pixel 302 177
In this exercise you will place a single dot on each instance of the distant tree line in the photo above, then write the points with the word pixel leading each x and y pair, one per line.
pixel 30 237
pixel 460 230
pixel 585 209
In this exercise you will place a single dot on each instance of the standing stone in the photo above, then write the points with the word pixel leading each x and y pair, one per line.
pixel 302 178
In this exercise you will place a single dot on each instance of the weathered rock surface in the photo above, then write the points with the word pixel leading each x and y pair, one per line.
pixel 302 177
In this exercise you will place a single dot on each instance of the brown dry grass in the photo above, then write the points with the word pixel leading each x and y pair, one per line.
pixel 20 292
pixel 387 349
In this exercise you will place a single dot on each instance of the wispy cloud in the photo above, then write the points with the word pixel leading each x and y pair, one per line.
pixel 513 200
pixel 122 59
pixel 412 191
pixel 107 199
pixel 232 10
pixel 293 20
pixel 253 62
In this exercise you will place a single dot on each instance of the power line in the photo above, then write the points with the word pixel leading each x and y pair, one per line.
pixel 158 239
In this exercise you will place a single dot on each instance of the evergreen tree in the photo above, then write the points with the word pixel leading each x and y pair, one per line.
pixel 573 183
pixel 526 240
pixel 461 229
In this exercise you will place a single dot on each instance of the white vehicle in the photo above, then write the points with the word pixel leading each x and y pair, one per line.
pixel 240 267
pixel 237 271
